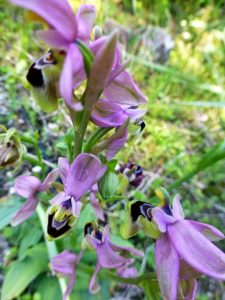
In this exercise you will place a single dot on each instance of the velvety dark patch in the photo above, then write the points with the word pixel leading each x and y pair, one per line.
pixel 35 77
pixel 54 232
pixel 88 228
pixel 136 210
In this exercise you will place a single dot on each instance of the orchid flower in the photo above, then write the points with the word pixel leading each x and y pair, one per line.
pixel 77 179
pixel 29 187
pixel 188 243
pixel 66 29
pixel 121 95
pixel 107 252
pixel 133 172
pixel 65 264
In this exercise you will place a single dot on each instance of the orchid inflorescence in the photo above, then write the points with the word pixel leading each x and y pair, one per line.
pixel 81 56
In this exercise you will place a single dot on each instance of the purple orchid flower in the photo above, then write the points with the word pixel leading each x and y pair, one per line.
pixel 65 264
pixel 107 252
pixel 77 179
pixel 185 251
pixel 65 29
pixel 121 95
pixel 133 172
pixel 28 187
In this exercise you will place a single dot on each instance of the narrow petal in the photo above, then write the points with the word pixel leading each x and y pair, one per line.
pixel 108 258
pixel 85 18
pixel 58 199
pixel 72 66
pixel 129 250
pixel 100 69
pixel 57 13
pixel 209 231
pixel 197 250
pixel 162 219
pixel 136 113
pixel 97 207
pixel 64 167
pixel 167 268
pixel 50 178
pixel 52 38
pixel 82 174
pixel 118 140
pixel 123 90
pixel 25 211
pixel 76 208
pixel 177 208
pixel 27 186
pixel 94 287
pixel 108 114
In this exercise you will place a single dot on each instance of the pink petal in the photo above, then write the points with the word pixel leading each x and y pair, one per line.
pixel 64 167
pixel 72 66
pixel 101 68
pixel 25 211
pixel 167 268
pixel 197 250
pixel 117 142
pixel 58 199
pixel 85 18
pixel 83 174
pixel 27 186
pixel 56 13
pixel 76 207
pixel 50 178
pixel 209 231
pixel 94 287
pixel 124 91
pixel 52 38
pixel 108 258
pixel 177 208
pixel 97 207
pixel 108 114
pixel 162 219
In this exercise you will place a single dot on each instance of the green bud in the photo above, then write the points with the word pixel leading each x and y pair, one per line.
pixel 108 185
pixel 11 149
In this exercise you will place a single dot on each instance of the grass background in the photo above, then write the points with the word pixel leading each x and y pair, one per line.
pixel 186 99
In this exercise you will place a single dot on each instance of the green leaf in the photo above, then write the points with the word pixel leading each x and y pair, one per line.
pixel 48 288
pixel 215 154
pixel 7 210
pixel 88 56
pixel 32 237
pixel 22 273
pixel 151 288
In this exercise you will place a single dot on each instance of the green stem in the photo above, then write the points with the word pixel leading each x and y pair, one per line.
pixel 33 159
pixel 79 134
pixel 106 273
pixel 95 137
pixel 33 142
pixel 51 246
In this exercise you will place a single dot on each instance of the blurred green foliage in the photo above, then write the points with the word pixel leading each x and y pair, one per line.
pixel 185 119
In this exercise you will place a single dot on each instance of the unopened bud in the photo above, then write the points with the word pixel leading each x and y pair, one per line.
pixel 108 185
pixel 11 149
